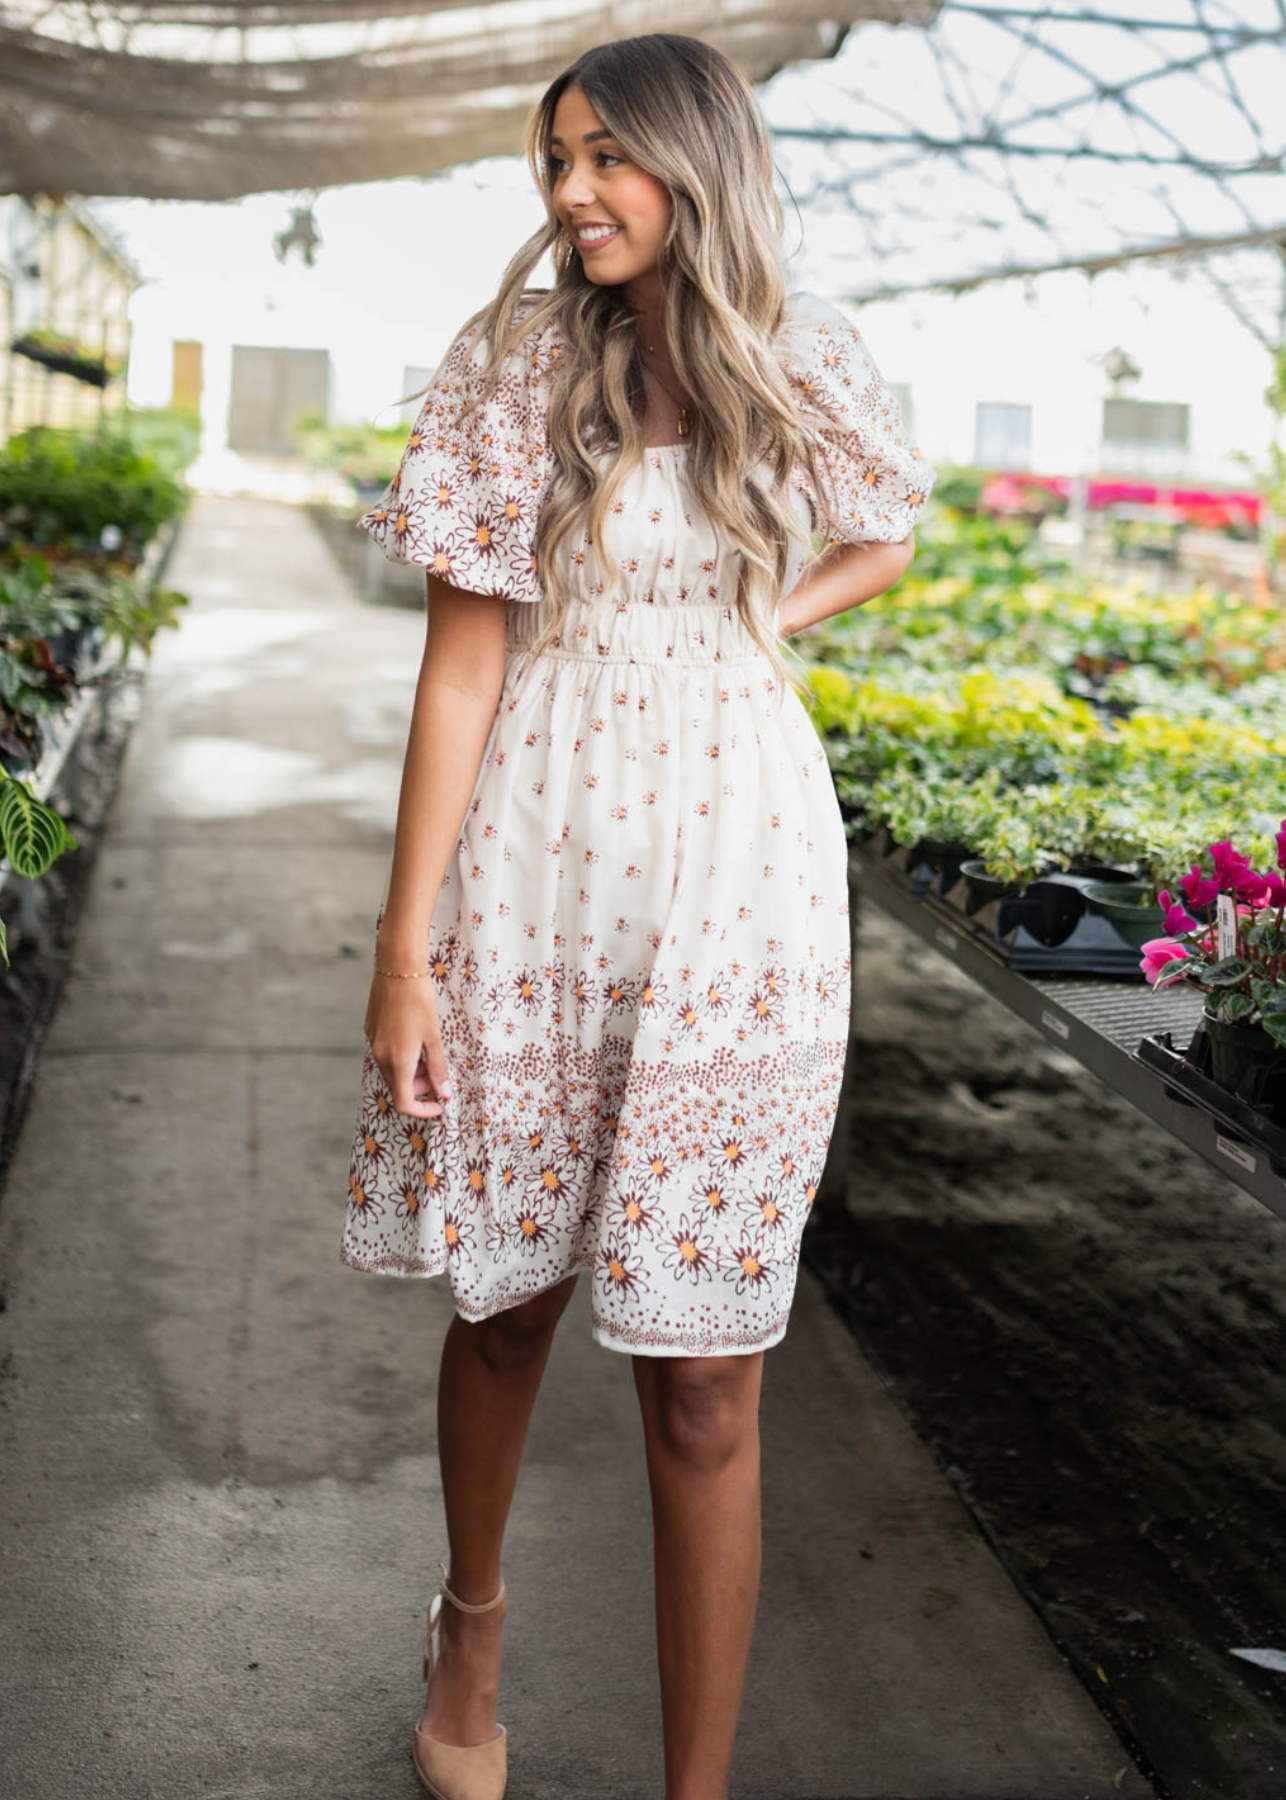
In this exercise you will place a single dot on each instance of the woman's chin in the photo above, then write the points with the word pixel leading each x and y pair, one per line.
pixel 605 269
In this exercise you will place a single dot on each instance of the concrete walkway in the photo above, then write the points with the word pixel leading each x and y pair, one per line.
pixel 220 1498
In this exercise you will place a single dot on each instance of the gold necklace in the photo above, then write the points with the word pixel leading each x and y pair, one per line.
pixel 683 425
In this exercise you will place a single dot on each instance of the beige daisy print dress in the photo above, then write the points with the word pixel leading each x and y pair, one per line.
pixel 640 947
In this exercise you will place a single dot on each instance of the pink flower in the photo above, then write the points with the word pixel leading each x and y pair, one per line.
pixel 1231 867
pixel 1200 889
pixel 1276 889
pixel 1281 847
pixel 1251 888
pixel 1177 917
pixel 1157 952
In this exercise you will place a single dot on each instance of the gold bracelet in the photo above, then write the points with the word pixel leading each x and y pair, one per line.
pixel 402 975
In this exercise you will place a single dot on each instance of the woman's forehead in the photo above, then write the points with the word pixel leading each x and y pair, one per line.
pixel 574 116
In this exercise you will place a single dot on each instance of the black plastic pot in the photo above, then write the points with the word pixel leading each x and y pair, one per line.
pixel 982 887
pixel 77 648
pixel 1100 871
pixel 1236 1049
pixel 874 838
pixel 944 856
pixel 1129 906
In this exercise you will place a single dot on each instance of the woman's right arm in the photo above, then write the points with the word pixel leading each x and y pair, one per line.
pixel 461 676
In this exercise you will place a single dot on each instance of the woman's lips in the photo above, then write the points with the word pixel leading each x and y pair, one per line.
pixel 587 246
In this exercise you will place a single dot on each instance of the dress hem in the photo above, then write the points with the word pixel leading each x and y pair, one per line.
pixel 715 1346
pixel 675 1344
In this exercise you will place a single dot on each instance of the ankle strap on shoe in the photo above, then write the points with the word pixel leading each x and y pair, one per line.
pixel 471 1606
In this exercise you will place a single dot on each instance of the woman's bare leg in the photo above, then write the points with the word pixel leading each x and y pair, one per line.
pixel 487 1388
pixel 701 1430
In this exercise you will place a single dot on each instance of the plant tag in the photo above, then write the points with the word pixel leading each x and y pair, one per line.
pixel 1226 925
pixel 1059 1027
pixel 1235 1152
pixel 1267 1659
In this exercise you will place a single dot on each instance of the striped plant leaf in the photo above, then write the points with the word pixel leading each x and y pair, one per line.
pixel 34 836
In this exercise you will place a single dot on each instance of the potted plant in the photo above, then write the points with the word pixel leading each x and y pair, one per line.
pixel 32 836
pixel 94 496
pixel 1019 834
pixel 1245 987
pixel 919 810
pixel 65 356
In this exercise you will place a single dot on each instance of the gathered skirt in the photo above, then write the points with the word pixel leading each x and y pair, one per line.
pixel 641 956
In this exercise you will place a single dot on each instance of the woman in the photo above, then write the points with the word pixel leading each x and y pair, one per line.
pixel 610 1008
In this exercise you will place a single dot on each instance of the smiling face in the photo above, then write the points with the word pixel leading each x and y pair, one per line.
pixel 614 212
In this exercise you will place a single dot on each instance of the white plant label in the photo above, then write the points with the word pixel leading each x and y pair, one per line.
pixel 1059 1027
pixel 1226 925
pixel 1235 1152
pixel 1267 1659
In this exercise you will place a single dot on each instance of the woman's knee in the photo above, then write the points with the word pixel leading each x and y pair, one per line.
pixel 704 1409
pixel 522 1333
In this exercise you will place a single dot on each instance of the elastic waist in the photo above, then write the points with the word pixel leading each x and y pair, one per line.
pixel 640 631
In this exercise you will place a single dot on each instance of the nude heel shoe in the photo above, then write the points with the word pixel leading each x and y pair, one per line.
pixel 458 1771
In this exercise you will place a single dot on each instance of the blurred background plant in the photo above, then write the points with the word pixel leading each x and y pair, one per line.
pixel 79 513
pixel 98 497
pixel 365 454
pixel 1037 719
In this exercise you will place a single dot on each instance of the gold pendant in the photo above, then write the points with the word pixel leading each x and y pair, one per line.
pixel 684 427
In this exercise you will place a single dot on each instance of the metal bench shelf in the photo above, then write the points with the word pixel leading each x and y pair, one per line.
pixel 1099 1022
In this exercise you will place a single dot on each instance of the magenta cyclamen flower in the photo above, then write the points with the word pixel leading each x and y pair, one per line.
pixel 1281 847
pixel 1231 867
pixel 1202 890
pixel 1157 952
pixel 1251 887
pixel 1177 916
pixel 1276 895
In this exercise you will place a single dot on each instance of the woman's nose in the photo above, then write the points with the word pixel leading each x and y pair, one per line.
pixel 578 189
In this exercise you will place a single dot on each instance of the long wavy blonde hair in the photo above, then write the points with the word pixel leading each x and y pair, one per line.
pixel 684 113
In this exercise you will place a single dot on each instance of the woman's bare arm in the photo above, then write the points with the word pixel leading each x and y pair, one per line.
pixel 843 575
pixel 461 675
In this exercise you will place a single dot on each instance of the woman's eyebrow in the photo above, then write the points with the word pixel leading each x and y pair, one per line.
pixel 588 137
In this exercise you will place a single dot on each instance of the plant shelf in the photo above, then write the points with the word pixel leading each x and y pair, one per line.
pixel 1250 1134
pixel 1047 929
pixel 1123 1034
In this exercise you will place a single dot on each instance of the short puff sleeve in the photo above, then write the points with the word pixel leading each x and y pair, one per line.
pixel 466 497
pixel 876 479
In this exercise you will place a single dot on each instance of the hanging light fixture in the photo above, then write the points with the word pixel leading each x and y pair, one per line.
pixel 301 234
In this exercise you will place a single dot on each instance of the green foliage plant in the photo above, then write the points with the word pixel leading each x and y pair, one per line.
pixel 32 835
pixel 38 607
pixel 92 495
